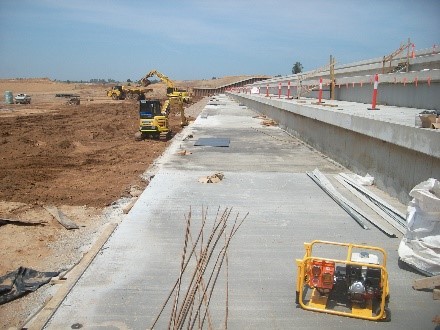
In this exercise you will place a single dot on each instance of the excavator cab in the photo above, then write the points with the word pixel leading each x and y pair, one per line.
pixel 152 121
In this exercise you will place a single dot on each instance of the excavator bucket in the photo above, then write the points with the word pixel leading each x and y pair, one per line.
pixel 145 82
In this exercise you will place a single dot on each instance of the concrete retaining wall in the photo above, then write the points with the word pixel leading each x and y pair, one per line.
pixel 399 157
pixel 423 96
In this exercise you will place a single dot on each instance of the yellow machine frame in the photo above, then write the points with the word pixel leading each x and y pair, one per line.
pixel 179 100
pixel 318 302
pixel 121 92
pixel 155 124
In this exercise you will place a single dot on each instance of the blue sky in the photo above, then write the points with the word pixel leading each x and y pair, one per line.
pixel 84 39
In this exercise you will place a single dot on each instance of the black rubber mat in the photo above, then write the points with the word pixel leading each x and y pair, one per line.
pixel 213 142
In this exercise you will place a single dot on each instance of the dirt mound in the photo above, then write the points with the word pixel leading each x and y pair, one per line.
pixel 75 155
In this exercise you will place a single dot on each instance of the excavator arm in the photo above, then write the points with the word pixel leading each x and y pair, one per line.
pixel 145 82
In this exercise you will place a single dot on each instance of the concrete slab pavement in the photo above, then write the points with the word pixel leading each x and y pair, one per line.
pixel 264 168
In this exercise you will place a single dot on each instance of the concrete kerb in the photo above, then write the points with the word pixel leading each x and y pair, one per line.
pixel 68 281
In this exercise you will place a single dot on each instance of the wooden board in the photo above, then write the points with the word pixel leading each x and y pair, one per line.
pixel 427 283
pixel 61 217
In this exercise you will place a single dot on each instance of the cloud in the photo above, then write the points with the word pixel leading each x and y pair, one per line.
pixel 215 35
pixel 176 23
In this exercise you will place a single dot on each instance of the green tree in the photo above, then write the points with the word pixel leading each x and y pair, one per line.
pixel 297 68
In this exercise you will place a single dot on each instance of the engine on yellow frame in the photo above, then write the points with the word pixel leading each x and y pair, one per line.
pixel 356 286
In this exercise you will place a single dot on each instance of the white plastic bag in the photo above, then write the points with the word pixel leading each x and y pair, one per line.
pixel 366 180
pixel 427 195
pixel 420 246
pixel 255 90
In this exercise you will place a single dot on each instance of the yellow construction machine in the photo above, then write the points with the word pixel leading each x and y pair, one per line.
pixel 351 280
pixel 120 92
pixel 175 96
pixel 153 120
pixel 172 90
pixel 179 102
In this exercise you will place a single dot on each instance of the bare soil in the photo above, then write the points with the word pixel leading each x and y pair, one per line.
pixel 81 159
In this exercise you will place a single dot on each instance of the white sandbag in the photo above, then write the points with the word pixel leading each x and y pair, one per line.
pixel 420 246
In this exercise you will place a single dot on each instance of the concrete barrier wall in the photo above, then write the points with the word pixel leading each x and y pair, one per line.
pixel 423 96
pixel 426 59
pixel 399 157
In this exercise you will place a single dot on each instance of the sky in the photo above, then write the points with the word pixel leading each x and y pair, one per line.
pixel 194 39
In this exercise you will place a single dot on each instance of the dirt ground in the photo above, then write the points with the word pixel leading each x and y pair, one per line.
pixel 81 159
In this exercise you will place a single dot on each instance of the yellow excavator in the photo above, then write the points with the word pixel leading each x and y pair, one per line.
pixel 153 120
pixel 175 95
pixel 172 90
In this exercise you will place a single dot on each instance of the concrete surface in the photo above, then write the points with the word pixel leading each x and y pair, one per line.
pixel 264 169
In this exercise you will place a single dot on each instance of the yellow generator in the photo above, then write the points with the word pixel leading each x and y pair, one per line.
pixel 351 280
pixel 153 120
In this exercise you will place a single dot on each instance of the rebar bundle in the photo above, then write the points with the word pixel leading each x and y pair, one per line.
pixel 194 288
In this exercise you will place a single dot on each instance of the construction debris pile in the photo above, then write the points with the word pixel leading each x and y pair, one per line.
pixel 428 119
pixel 214 178
pixel 265 121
